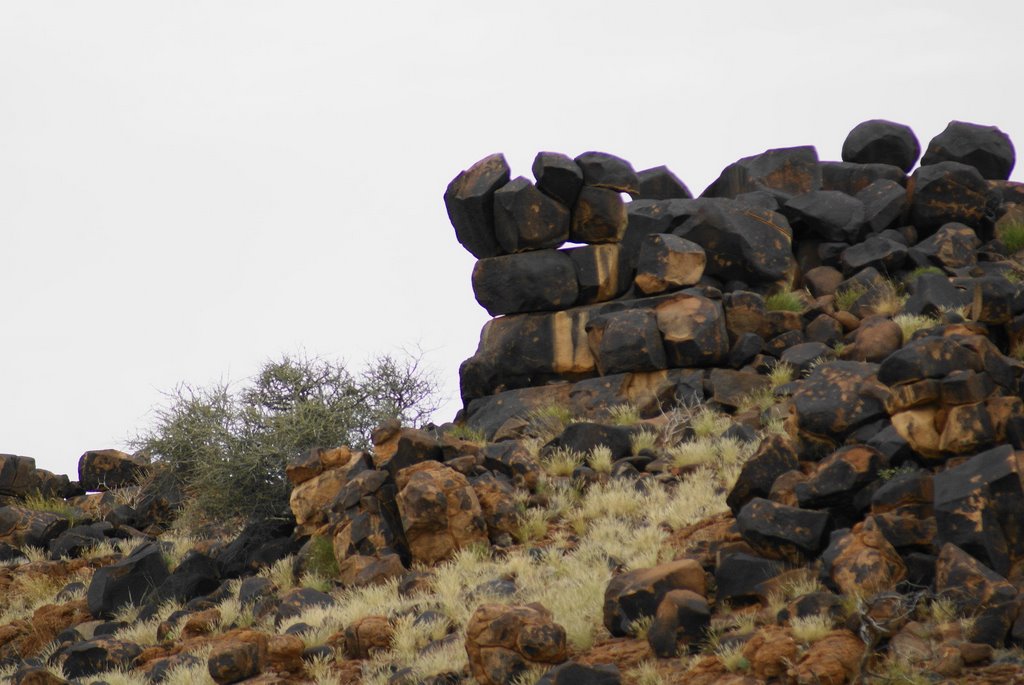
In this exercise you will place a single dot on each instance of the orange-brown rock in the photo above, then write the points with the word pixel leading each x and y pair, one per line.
pixel 770 652
pixel 239 655
pixel 367 636
pixel 359 570
pixel 833 660
pixel 200 624
pixel 863 561
pixel 503 641
pixel 310 500
pixel 637 594
pixel 440 512
pixel 284 653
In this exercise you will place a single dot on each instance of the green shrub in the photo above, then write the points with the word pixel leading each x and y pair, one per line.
pixel 321 560
pixel 921 271
pixel 225 448
pixel 787 301
pixel 1012 235
pixel 845 298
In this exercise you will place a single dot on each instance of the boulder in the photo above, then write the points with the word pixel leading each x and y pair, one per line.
pixel 743 243
pixel 952 246
pixel 777 531
pixel 985 148
pixel 257 545
pixel 128 581
pixel 98 656
pixel 601 273
pixel 22 527
pixel 298 600
pixel 603 170
pixel 558 177
pixel 527 219
pixel 659 183
pixel 885 202
pixel 310 499
pixel 838 478
pixel 367 636
pixel 530 282
pixel 851 178
pixel 503 641
pixel 440 512
pixel 637 594
pixel 833 660
pixel 668 262
pixel 827 214
pixel 628 340
pixel 861 560
pixel 774 456
pixel 573 673
pixel 693 330
pixel 882 253
pixel 599 216
pixel 738 576
pixel 784 172
pixel 108 469
pixel 17 475
pixel 837 398
pixel 882 142
pixel 948 192
pixel 242 655
pixel 469 200
pixel 395 447
pixel 682 616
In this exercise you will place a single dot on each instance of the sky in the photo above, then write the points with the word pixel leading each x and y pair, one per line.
pixel 190 188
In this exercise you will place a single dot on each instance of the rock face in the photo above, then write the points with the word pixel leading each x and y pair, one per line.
pixel 106 469
pixel 504 641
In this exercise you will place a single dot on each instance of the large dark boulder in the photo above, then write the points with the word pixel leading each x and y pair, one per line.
pixel 784 172
pixel 827 214
pixel 244 554
pixel 108 469
pixel 949 191
pixel 470 203
pixel 837 398
pixel 530 282
pixel 128 581
pixel 625 341
pixel 742 242
pixel 603 170
pixel 601 272
pixel 883 142
pixel 637 594
pixel 668 262
pixel 98 656
pixel 599 216
pixel 659 183
pixel 693 329
pixel 778 531
pixel 985 148
pixel 850 178
pixel 527 219
pixel 17 475
pixel 558 176
pixel 583 437
pixel 774 456
pixel 885 202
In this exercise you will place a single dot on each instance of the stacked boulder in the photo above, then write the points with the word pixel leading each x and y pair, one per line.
pixel 612 286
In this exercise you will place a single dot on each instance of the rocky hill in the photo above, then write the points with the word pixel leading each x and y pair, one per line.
pixel 772 434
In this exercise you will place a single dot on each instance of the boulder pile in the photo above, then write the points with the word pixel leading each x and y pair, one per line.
pixel 770 434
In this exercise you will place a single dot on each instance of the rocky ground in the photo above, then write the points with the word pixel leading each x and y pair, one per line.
pixel 774 434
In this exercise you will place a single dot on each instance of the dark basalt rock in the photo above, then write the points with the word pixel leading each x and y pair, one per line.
pixel 534 281
pixel 603 170
pixel 682 616
pixel 646 217
pixel 297 600
pixel 693 330
pixel 838 397
pixel 601 272
pixel 838 478
pixel 949 192
pixel 96 656
pixel 599 216
pixel 583 437
pixel 775 456
pixel 985 148
pixel 851 178
pixel 739 575
pixel 777 531
pixel 783 172
pixel 628 340
pixel 637 594
pixel 75 540
pixel 884 254
pixel 128 581
pixel 573 673
pixel 527 219
pixel 106 469
pixel 668 262
pixel 243 555
pixel 931 294
pixel 882 142
pixel 827 214
pixel 469 200
pixel 23 527
pixel 953 245
pixel 558 177
pixel 659 183
pixel 742 243
pixel 884 203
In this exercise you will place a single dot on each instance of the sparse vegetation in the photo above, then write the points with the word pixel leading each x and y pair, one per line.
pixel 1011 234
pixel 600 459
pixel 809 629
pixel 643 441
pixel 52 505
pixel 921 271
pixel 224 447
pixel 321 560
pixel 561 461
pixel 844 299
pixel 785 301
pixel 780 374
pixel 623 414
pixel 463 432
pixel 912 323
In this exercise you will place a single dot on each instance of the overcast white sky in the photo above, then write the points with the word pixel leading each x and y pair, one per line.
pixel 188 188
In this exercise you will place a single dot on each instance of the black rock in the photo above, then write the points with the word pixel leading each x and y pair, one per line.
pixel 682 616
pixel 783 172
pixel 599 216
pixel 583 437
pixel 659 183
pixel 932 293
pixel 295 601
pixel 558 176
pixel 737 576
pixel 827 214
pixel 470 203
pixel 626 341
pixel 850 178
pixel 947 192
pixel 884 254
pixel 782 532
pixel 985 148
pixel 746 347
pixel 243 555
pixel 883 142
pixel 96 656
pixel 527 219
pixel 530 282
pixel 572 673
pixel 775 455
pixel 601 272
pixel 603 170
pixel 953 245
pixel 128 581
pixel 75 540
pixel 884 203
